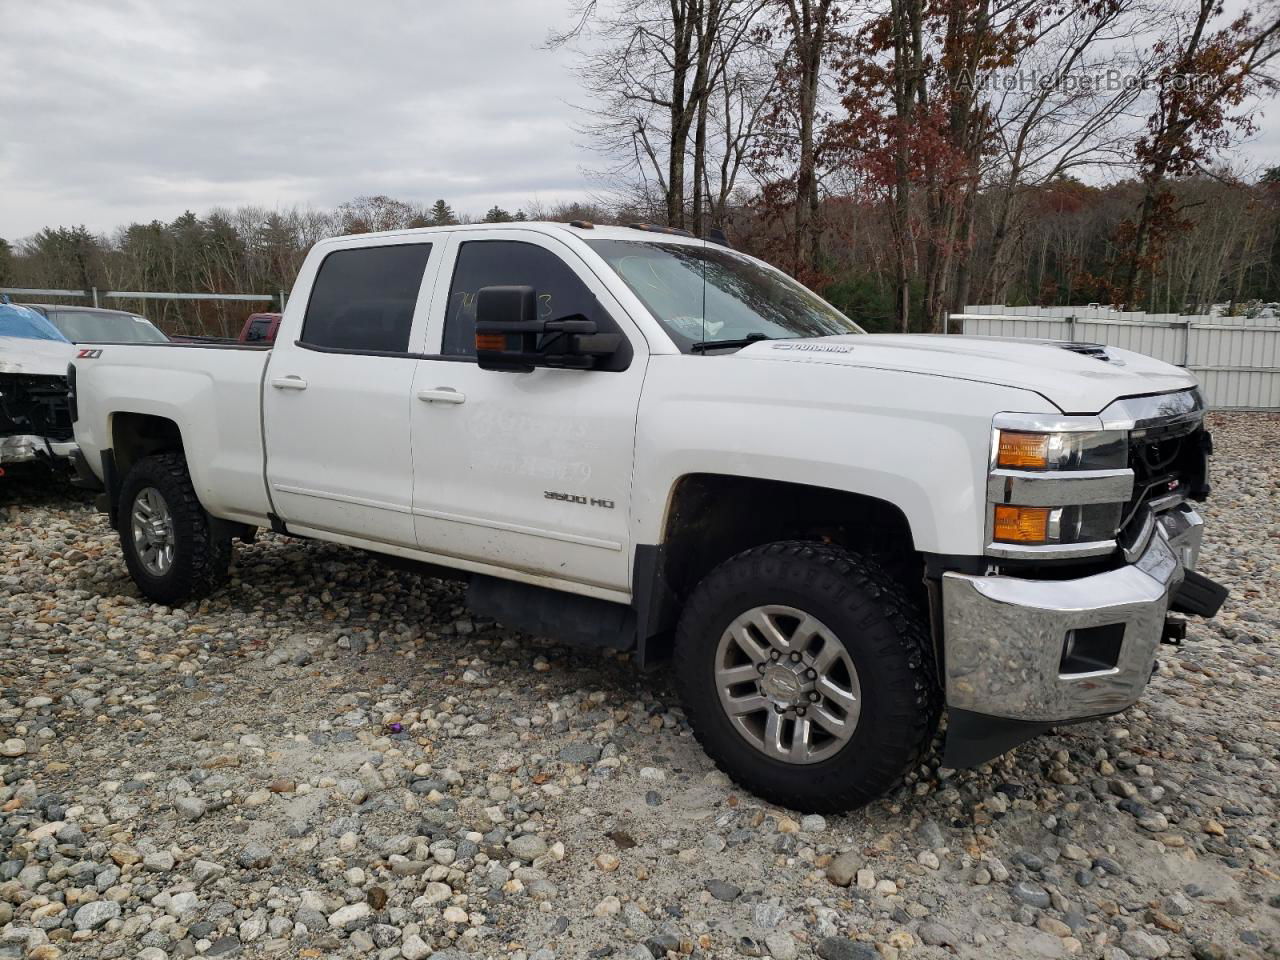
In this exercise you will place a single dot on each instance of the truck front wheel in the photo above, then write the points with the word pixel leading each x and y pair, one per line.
pixel 806 675
pixel 170 551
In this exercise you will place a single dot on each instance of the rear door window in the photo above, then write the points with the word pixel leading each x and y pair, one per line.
pixel 363 299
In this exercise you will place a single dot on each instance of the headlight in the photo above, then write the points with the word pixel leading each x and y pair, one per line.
pixel 1076 450
pixel 1057 486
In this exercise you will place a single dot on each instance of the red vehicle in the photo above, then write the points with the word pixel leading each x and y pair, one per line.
pixel 260 328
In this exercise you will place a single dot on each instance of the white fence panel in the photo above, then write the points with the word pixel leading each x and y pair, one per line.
pixel 1044 329
pixel 1223 346
pixel 1241 389
pixel 1236 359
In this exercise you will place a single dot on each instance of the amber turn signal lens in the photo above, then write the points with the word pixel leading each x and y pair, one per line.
pixel 1021 524
pixel 491 341
pixel 1023 450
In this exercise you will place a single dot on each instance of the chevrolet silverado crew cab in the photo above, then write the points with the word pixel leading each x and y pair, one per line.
pixel 641 440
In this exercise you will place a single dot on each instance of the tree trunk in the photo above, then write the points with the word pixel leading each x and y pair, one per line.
pixel 964 270
pixel 683 16
pixel 1130 291
pixel 905 18
pixel 997 275
pixel 810 28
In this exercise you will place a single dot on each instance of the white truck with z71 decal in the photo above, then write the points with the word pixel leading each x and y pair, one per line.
pixel 632 438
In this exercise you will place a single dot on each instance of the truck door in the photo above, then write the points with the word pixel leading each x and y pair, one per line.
pixel 525 471
pixel 336 402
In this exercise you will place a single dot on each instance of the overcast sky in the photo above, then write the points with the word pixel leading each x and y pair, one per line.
pixel 133 110
pixel 119 111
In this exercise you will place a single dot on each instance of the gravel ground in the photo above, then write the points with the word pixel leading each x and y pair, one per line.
pixel 330 758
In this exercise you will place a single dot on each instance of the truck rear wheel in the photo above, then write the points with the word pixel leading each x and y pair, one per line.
pixel 806 675
pixel 168 546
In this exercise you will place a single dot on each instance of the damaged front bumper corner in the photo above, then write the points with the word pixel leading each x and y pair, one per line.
pixel 1024 655
pixel 23 448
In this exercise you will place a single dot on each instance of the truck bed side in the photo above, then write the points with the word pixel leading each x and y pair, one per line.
pixel 211 394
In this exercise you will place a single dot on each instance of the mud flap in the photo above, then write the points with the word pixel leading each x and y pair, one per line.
pixel 975 738
pixel 1198 595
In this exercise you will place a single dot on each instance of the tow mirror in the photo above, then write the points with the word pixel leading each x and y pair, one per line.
pixel 507 328
pixel 509 335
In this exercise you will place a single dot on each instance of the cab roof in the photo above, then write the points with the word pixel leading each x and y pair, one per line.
pixel 577 228
pixel 63 308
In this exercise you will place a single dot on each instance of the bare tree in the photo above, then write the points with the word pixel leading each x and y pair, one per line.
pixel 650 68
pixel 1203 75
pixel 1085 75
pixel 736 111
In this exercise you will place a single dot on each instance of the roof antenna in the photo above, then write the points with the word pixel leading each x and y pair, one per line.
pixel 704 293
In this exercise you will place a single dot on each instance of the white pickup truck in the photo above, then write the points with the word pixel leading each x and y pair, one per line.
pixel 638 439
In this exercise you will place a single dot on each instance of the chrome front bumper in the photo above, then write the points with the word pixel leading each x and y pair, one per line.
pixel 24 448
pixel 1008 640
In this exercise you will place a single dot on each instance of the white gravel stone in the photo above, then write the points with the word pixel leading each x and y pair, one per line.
pixel 348 914
pixel 95 914
pixel 781 946
pixel 528 847
pixel 414 948
pixel 182 904
pixel 1144 946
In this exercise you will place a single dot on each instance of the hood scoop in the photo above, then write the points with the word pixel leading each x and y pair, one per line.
pixel 1098 351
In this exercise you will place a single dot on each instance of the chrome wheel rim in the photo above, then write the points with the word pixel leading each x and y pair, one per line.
pixel 787 684
pixel 152 526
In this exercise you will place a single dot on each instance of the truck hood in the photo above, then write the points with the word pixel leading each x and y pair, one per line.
pixel 1080 383
pixel 24 355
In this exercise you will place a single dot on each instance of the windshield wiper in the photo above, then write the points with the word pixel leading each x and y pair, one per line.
pixel 751 338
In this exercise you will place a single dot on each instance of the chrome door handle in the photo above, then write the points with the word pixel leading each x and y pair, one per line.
pixel 442 395
pixel 289 383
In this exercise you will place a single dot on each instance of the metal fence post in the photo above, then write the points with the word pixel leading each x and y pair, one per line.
pixel 95 296
pixel 1071 328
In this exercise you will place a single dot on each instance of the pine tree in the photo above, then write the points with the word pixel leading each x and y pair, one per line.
pixel 497 215
pixel 442 214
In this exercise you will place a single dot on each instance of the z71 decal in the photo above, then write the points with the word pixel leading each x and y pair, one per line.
pixel 88 354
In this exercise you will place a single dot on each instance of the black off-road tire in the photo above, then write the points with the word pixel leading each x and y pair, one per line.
pixel 201 561
pixel 886 637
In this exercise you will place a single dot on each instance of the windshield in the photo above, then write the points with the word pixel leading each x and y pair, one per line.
pixel 105 326
pixel 16 321
pixel 741 300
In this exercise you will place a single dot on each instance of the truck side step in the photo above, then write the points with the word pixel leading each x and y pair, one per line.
pixel 566 617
